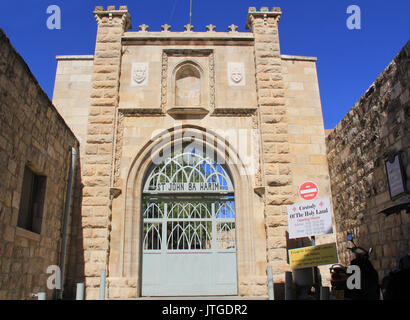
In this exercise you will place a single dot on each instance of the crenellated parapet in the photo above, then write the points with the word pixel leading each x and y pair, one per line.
pixel 264 15
pixel 189 28
pixel 112 16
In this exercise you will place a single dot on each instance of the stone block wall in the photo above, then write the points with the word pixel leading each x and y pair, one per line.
pixel 71 94
pixel 275 151
pixel 306 138
pixel 377 126
pixel 31 133
pixel 281 102
pixel 96 213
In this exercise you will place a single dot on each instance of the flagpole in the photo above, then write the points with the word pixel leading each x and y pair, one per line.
pixel 190 11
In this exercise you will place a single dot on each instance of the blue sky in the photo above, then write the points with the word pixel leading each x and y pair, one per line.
pixel 348 60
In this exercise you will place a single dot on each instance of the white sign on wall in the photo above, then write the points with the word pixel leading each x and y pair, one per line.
pixel 310 218
pixel 395 177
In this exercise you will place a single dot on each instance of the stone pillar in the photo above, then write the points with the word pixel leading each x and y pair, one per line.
pixel 97 166
pixel 275 150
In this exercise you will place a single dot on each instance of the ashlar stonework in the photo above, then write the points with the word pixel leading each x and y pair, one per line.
pixel 187 92
pixel 33 135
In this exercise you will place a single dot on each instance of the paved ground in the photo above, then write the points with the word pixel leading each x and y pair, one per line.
pixel 200 298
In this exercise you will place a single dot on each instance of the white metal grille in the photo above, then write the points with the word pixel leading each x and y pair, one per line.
pixel 204 221
pixel 189 225
pixel 188 172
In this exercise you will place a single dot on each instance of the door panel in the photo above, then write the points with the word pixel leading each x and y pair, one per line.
pixel 189 248
pixel 186 274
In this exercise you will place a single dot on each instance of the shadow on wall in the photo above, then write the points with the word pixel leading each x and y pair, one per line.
pixel 386 235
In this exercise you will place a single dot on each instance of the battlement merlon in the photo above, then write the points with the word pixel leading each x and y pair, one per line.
pixel 263 13
pixel 112 16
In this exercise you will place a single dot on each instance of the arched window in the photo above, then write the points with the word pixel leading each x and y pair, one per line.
pixel 187 86
pixel 188 171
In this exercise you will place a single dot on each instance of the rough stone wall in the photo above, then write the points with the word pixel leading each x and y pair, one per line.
pixel 376 126
pixel 96 212
pixel 31 132
pixel 274 135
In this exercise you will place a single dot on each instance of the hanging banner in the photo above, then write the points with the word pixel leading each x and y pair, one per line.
pixel 313 256
pixel 310 218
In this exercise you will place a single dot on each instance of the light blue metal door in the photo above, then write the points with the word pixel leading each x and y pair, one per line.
pixel 189 240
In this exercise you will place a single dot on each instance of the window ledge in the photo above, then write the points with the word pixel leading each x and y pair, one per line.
pixel 27 234
pixel 187 112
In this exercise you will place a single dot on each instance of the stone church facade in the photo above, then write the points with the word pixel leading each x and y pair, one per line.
pixel 245 122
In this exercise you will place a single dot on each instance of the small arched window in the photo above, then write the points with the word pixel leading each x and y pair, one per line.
pixel 187 86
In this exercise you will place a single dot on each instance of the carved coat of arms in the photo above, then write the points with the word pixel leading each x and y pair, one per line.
pixel 139 73
pixel 236 74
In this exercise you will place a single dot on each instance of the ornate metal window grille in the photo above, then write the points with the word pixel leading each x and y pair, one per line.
pixel 184 225
pixel 188 172
pixel 191 223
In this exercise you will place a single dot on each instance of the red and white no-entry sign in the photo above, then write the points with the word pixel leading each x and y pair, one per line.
pixel 308 190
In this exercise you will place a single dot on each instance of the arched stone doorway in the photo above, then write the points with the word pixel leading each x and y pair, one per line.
pixel 188 227
pixel 249 219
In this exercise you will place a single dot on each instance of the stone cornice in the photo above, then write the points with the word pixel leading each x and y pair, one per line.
pixel 140 111
pixel 234 111
pixel 220 111
pixel 185 36
pixel 75 57
pixel 297 58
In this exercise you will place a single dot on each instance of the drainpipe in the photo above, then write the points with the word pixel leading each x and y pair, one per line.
pixel 66 219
